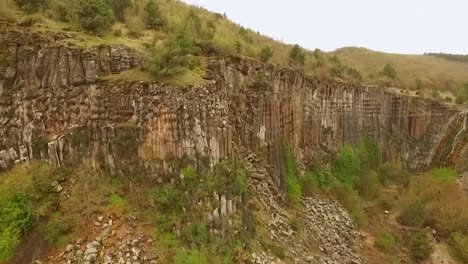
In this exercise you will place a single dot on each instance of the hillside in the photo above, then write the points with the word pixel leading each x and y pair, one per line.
pixel 215 32
pixel 413 71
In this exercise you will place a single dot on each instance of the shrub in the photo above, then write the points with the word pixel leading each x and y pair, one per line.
pixel 239 182
pixel 117 32
pixel 448 99
pixel 193 256
pixel 389 71
pixel 290 176
pixel 368 185
pixel 199 234
pixel 245 35
pixel 349 198
pixel 420 246
pixel 177 56
pixel 459 243
pixel 460 99
pixel 238 46
pixel 413 215
pixel 266 53
pixel 62 13
pixel 315 179
pixel 169 198
pixel 369 153
pixel 390 172
pixel 262 80
pixel 347 165
pixel 430 201
pixel 15 220
pixel 94 15
pixel 55 230
pixel 119 6
pixel 135 26
pixel 385 241
pixel 32 6
pixel 153 15
pixel 297 55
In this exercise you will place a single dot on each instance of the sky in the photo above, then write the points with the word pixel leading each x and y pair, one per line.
pixel 396 26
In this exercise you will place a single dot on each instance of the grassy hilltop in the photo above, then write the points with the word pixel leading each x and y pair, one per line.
pixel 162 26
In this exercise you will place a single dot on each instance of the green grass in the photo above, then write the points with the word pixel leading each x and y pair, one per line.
pixel 116 201
pixel 444 174
pixel 291 177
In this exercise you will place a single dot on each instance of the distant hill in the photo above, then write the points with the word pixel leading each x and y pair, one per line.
pixel 448 56
pixel 412 71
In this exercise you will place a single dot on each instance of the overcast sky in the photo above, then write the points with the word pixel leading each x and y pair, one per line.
pixel 398 26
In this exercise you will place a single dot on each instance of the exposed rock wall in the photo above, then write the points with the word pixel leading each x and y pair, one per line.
pixel 53 106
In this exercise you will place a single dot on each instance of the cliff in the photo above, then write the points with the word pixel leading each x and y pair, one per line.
pixel 55 106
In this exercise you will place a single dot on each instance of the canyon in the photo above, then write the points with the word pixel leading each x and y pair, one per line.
pixel 58 105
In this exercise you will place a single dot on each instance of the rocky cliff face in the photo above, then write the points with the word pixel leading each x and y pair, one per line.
pixel 54 106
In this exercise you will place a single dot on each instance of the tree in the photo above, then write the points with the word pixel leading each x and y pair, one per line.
pixel 94 15
pixel 154 18
pixel 389 71
pixel 266 53
pixel 119 6
pixel 177 56
pixel 297 55
pixel 31 6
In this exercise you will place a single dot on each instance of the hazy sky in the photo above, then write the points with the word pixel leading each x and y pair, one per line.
pixel 400 26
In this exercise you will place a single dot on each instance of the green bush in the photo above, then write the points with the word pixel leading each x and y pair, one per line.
pixel 239 182
pixel 420 246
pixel 314 180
pixel 291 176
pixel 193 256
pixel 199 234
pixel 460 99
pixel 154 18
pixel 94 15
pixel 413 215
pixel 119 6
pixel 32 6
pixel 262 81
pixel 297 55
pixel 459 243
pixel 169 198
pixel 116 201
pixel 62 13
pixel 347 165
pixel 444 174
pixel 369 153
pixel 393 173
pixel 55 230
pixel 448 99
pixel 389 71
pixel 266 53
pixel 368 185
pixel 385 241
pixel 350 199
pixel 177 56
pixel 15 219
